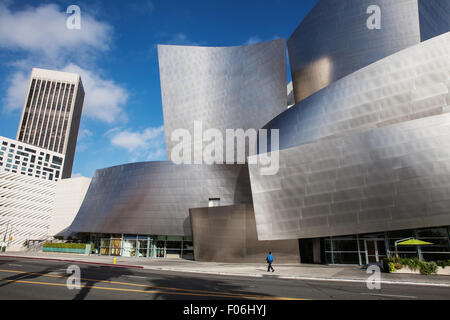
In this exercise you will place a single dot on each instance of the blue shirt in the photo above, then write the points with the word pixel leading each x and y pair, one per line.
pixel 270 258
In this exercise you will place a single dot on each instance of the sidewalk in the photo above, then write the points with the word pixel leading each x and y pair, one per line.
pixel 285 271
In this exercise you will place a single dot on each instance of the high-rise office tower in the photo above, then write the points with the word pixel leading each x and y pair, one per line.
pixel 52 112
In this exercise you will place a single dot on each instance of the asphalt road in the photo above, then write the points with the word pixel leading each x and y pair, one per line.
pixel 47 280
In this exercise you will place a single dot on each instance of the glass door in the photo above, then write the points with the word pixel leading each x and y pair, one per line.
pixel 160 249
pixel 371 251
pixel 375 250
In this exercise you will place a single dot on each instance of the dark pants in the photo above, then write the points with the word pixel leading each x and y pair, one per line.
pixel 270 267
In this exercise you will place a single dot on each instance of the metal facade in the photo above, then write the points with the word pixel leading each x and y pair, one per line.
pixel 369 153
pixel 224 87
pixel 155 197
pixel 339 41
pixel 407 85
pixel 390 178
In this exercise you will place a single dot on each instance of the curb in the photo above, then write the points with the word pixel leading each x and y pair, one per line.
pixel 76 261
pixel 429 284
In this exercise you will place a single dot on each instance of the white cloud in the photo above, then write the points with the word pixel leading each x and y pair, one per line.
pixel 84 133
pixel 104 99
pixel 43 29
pixel 142 145
pixel 256 39
pixel 145 145
pixel 158 154
pixel 76 175
pixel 253 40
pixel 182 40
pixel 16 91
pixel 41 33
pixel 150 138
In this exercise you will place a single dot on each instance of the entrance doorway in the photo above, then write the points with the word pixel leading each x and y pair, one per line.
pixel 375 250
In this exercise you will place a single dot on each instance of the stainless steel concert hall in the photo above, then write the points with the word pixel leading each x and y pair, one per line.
pixel 364 146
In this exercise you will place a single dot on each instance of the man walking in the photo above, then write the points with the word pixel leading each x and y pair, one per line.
pixel 269 260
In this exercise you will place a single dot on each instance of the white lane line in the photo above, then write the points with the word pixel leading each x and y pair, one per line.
pixel 137 277
pixel 390 295
pixel 14 265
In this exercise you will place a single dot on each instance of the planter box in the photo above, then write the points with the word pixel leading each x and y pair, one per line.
pixel 444 271
pixel 440 271
pixel 408 271
pixel 65 250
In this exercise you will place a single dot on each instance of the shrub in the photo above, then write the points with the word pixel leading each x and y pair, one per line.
pixel 392 264
pixel 65 245
pixel 391 267
pixel 413 264
pixel 428 267
pixel 443 263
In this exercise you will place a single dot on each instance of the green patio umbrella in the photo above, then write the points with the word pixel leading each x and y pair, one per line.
pixel 413 242
pixel 409 242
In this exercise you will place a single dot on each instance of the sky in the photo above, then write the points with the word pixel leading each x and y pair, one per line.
pixel 115 53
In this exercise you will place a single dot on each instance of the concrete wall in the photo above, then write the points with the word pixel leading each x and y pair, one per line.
pixel 228 234
pixel 25 208
pixel 69 196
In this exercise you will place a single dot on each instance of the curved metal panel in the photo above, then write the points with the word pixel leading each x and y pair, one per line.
pixel 223 87
pixel 390 178
pixel 155 197
pixel 407 85
pixel 333 40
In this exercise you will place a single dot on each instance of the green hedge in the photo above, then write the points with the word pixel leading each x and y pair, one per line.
pixel 392 264
pixel 443 263
pixel 65 245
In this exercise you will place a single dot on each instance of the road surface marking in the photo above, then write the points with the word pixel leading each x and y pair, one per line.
pixel 189 291
pixel 14 265
pixel 390 295
pixel 219 295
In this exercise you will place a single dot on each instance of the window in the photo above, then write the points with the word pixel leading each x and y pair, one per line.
pixel 57 160
pixel 214 202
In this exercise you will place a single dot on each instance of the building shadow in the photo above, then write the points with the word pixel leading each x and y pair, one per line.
pixel 92 275
pixel 194 287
